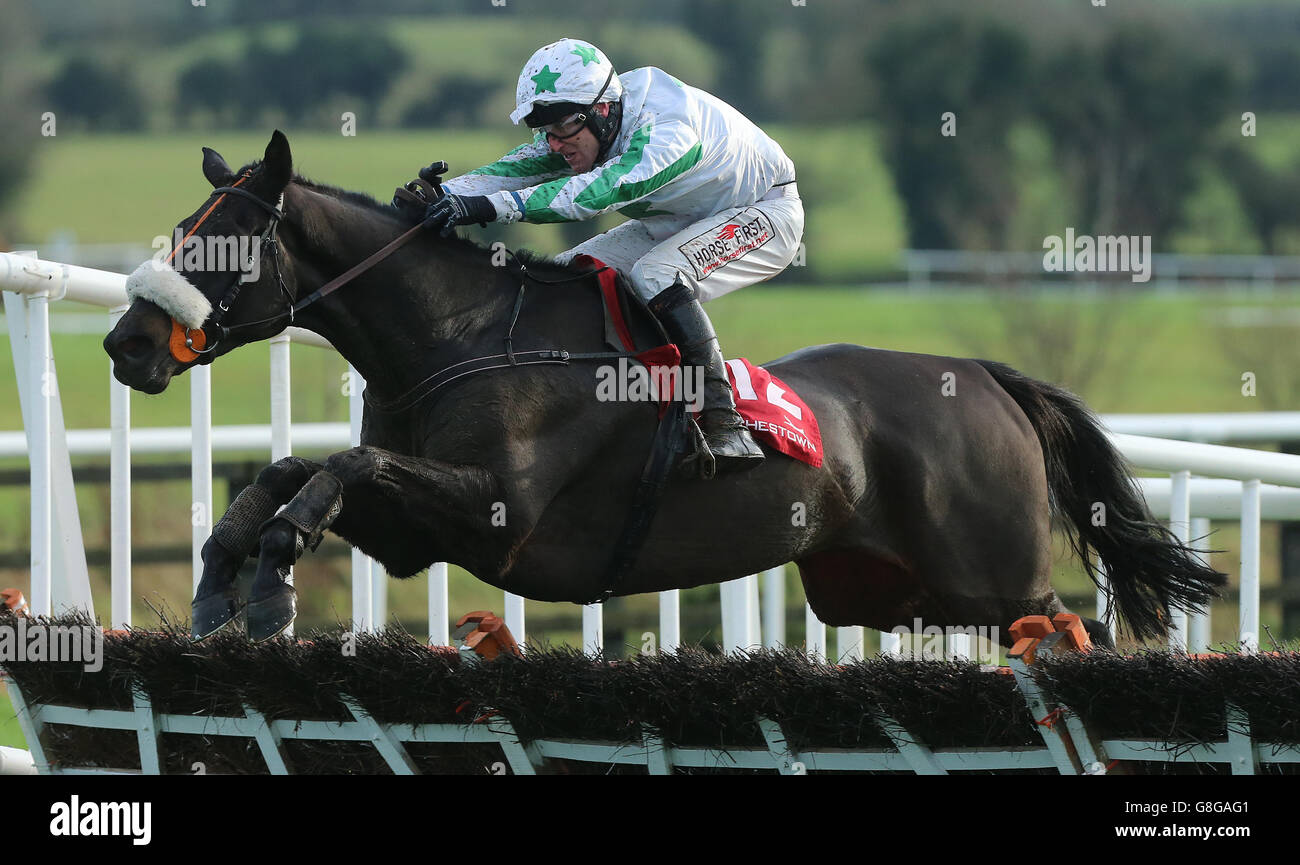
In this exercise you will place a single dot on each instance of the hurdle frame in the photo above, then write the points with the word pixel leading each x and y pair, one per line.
pixel 1067 746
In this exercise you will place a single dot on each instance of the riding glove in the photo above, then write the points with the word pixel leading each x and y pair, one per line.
pixel 452 210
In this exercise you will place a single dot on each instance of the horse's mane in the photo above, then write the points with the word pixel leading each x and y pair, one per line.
pixel 544 264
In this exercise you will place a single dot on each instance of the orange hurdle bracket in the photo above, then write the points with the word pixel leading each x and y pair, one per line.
pixel 1064 632
pixel 485 635
pixel 1074 751
pixel 13 600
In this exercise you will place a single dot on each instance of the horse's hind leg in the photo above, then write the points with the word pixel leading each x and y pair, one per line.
pixel 1098 633
pixel 235 535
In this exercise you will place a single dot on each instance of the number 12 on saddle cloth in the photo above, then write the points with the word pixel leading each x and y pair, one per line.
pixel 775 413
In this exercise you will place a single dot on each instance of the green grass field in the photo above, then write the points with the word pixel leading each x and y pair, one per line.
pixel 11 735
pixel 1162 352
pixel 149 183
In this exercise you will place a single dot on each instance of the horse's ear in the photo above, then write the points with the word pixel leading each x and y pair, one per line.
pixel 277 164
pixel 215 168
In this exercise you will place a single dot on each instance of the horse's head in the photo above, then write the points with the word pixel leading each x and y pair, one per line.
pixel 223 285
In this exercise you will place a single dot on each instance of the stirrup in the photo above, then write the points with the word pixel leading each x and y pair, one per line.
pixel 730 442
pixel 698 462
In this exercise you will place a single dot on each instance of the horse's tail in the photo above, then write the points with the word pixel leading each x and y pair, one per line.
pixel 1148 569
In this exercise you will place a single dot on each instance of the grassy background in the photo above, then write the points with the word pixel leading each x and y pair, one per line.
pixel 10 733
pixel 146 185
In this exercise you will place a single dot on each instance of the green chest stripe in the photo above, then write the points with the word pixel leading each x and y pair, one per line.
pixel 605 190
pixel 633 191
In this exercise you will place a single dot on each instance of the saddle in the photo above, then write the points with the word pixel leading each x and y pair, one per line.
pixel 773 412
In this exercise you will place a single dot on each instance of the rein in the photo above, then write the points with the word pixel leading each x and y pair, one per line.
pixel 267 237
pixel 421 391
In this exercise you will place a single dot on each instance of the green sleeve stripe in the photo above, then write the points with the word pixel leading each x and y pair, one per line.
pixel 604 191
pixel 531 166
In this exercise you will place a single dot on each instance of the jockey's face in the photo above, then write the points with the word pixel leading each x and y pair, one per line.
pixel 579 150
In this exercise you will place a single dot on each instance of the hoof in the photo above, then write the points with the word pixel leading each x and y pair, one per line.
pixel 269 617
pixel 211 614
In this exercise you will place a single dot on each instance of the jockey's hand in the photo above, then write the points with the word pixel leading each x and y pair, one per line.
pixel 452 210
pixel 413 199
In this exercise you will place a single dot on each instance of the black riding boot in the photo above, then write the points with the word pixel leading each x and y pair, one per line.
pixel 689 327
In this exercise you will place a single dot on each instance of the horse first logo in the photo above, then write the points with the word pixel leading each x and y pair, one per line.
pixel 716 247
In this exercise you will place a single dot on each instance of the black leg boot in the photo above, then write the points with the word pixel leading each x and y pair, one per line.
pixel 299 526
pixel 733 448
pixel 234 537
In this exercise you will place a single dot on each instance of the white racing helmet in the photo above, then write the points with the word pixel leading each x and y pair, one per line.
pixel 566 72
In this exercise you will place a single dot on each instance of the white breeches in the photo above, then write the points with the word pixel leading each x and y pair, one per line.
pixel 726 251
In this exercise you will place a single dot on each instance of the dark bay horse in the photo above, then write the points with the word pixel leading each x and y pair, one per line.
pixel 935 500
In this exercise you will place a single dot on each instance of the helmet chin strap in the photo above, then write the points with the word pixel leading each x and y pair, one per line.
pixel 610 132
pixel 604 128
pixel 603 88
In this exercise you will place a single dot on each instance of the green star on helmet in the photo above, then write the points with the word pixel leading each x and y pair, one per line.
pixel 587 53
pixel 545 80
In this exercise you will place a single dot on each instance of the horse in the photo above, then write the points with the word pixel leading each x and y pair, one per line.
pixel 940 484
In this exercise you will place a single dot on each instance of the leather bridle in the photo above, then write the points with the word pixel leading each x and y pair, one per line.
pixel 267 239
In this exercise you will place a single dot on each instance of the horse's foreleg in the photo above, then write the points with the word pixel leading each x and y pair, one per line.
pixel 272 604
pixel 408 512
pixel 234 537
pixel 405 511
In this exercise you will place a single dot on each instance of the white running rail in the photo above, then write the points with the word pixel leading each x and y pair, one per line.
pixel 1242 484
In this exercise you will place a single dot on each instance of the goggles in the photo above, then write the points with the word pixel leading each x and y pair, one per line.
pixel 565 127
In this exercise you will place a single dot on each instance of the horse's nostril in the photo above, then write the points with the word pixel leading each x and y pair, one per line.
pixel 134 348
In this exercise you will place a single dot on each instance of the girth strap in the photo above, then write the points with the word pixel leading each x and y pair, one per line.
pixel 451 373
pixel 664 448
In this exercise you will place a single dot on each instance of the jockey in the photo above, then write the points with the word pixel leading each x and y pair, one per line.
pixel 712 202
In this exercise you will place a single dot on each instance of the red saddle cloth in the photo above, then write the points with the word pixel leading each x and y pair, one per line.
pixel 770 408
pixel 775 413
